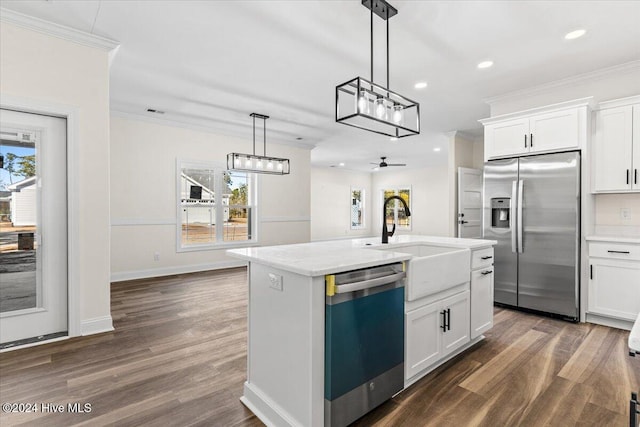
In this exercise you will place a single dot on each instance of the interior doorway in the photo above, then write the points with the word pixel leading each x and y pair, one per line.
pixel 33 227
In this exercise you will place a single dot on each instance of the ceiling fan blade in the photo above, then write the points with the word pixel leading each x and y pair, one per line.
pixel 396 164
pixel 371 163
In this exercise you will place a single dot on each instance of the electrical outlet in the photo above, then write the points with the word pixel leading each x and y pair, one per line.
pixel 156 256
pixel 625 214
pixel 275 281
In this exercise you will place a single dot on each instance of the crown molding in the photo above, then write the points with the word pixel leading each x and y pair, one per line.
pixel 576 103
pixel 569 81
pixel 622 102
pixel 57 30
pixel 198 127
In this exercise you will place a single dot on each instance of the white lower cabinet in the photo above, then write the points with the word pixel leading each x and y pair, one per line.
pixel 435 330
pixel 481 301
pixel 615 288
pixel 614 280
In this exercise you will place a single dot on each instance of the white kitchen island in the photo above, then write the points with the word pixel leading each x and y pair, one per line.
pixel 286 318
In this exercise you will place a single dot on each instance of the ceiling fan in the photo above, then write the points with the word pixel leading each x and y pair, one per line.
pixel 384 164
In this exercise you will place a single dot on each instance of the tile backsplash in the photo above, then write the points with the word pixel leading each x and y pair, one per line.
pixel 617 214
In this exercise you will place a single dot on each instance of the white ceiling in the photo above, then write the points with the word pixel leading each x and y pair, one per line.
pixel 211 63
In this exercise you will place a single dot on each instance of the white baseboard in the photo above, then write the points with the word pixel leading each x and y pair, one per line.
pixel 96 325
pixel 611 322
pixel 266 410
pixel 169 271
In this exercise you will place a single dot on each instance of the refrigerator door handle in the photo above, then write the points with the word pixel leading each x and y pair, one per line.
pixel 519 219
pixel 512 217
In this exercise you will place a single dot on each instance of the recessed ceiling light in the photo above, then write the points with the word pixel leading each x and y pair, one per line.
pixel 485 64
pixel 393 139
pixel 420 85
pixel 575 34
pixel 153 110
pixel 437 149
pixel 341 164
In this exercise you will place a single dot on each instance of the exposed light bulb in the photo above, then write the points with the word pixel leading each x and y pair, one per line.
pixel 247 163
pixel 381 111
pixel 270 165
pixel 259 164
pixel 362 103
pixel 397 114
pixel 279 166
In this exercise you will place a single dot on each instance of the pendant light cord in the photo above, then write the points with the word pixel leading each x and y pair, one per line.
pixel 371 43
pixel 387 51
pixel 254 135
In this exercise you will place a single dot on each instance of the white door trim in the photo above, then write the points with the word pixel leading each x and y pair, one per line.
pixel 71 113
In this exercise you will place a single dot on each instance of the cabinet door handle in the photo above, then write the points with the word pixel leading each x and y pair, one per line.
pixel 484 273
pixel 591 271
pixel 448 319
pixel 618 252
pixel 531 141
pixel 486 257
pixel 525 140
pixel 444 320
pixel 635 176
pixel 627 176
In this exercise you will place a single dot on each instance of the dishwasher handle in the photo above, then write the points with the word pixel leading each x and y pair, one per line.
pixel 372 283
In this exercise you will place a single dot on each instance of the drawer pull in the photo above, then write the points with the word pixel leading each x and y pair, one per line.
pixel 618 252
pixel 484 273
pixel 486 257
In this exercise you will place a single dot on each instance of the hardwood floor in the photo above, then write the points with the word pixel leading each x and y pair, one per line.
pixel 178 357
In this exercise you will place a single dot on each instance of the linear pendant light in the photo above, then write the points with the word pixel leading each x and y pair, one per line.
pixel 366 105
pixel 254 163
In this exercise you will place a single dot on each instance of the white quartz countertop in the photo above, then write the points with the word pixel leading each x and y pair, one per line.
pixel 336 256
pixel 614 239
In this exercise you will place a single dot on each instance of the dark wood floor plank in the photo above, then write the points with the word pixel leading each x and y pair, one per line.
pixel 178 357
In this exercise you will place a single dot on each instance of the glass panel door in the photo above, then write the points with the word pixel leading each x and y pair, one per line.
pixel 33 227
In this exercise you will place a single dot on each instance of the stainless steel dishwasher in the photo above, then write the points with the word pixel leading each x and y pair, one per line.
pixel 364 341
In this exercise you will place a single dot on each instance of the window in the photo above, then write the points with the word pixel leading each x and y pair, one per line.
pixel 394 213
pixel 214 206
pixel 357 208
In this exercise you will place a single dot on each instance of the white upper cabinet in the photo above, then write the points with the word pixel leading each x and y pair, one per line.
pixel 555 128
pixel 507 138
pixel 616 147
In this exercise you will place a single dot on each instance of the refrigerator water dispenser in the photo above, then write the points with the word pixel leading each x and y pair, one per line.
pixel 500 208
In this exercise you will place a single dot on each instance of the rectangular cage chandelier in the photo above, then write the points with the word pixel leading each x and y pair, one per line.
pixel 255 163
pixel 366 105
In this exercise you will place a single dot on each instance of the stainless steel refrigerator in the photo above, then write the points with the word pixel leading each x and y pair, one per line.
pixel 532 208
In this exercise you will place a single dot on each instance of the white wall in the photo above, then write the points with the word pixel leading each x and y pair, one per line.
pixel 51 70
pixel 430 212
pixel 143 197
pixel 331 203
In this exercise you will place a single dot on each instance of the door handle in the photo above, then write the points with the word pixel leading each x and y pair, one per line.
pixel 512 218
pixel 519 221
pixel 619 252
pixel 484 273
pixel 486 257
pixel 463 221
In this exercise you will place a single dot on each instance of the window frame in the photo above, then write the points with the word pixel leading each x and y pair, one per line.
pixel 396 190
pixel 218 169
pixel 363 200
